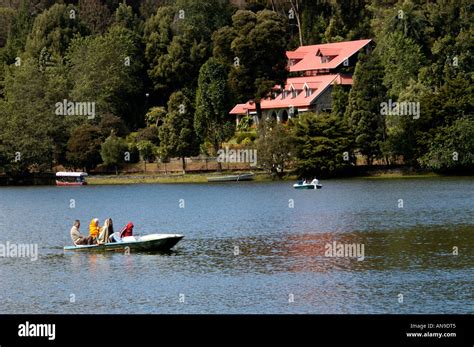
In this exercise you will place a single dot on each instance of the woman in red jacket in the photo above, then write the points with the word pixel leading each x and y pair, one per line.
pixel 127 231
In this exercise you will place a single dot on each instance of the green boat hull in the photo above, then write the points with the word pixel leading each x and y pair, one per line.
pixel 151 245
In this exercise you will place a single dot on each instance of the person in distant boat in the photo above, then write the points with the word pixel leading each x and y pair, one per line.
pixel 105 231
pixel 94 229
pixel 315 182
pixel 77 238
pixel 127 230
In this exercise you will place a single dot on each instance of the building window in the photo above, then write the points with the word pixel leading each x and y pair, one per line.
pixel 307 91
pixel 327 58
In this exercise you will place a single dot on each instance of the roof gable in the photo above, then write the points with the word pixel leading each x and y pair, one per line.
pixel 311 55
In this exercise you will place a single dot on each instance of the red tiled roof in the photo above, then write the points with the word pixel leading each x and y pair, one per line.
pixel 329 51
pixel 317 84
pixel 313 85
pixel 239 109
pixel 311 61
pixel 296 86
pixel 295 55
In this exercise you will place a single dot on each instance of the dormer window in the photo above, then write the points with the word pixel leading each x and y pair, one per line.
pixel 307 91
pixel 283 95
pixel 294 93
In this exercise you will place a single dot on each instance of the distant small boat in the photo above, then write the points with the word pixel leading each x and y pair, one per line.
pixel 313 185
pixel 232 178
pixel 146 243
pixel 71 178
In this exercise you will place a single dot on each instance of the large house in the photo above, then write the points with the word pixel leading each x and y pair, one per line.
pixel 313 70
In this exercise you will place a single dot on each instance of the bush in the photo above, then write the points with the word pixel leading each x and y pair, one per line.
pixel 239 137
pixel 247 141
pixel 245 124
pixel 110 123
pixel 114 152
pixel 148 134
pixel 83 147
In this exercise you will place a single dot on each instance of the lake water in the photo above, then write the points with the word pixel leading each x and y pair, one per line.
pixel 248 248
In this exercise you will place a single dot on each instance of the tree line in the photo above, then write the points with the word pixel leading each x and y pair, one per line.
pixel 162 75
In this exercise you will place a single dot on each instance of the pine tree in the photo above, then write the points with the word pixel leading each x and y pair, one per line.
pixel 323 146
pixel 212 121
pixel 177 135
pixel 363 112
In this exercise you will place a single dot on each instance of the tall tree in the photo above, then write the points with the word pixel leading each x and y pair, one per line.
pixel 177 135
pixel 18 32
pixel 126 18
pixel 295 8
pixel 323 145
pixel 83 147
pixel 32 134
pixel 53 30
pixel 95 16
pixel 275 147
pixel 340 97
pixel 452 148
pixel 178 42
pixel 254 72
pixel 212 120
pixel 363 114
pixel 107 70
pixel 113 152
pixel 7 17
pixel 402 59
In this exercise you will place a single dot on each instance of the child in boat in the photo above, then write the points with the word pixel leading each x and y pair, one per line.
pixel 94 229
pixel 77 238
pixel 127 231
pixel 105 231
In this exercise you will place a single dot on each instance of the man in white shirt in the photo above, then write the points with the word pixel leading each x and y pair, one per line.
pixel 77 238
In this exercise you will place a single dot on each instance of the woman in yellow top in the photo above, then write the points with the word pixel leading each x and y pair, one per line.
pixel 94 229
pixel 105 231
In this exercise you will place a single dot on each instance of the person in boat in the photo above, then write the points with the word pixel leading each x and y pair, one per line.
pixel 105 231
pixel 315 181
pixel 77 237
pixel 127 230
pixel 94 229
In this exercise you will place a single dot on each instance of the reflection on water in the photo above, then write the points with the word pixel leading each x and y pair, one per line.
pixel 246 251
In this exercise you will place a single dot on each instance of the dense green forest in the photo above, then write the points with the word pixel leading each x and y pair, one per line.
pixel 108 82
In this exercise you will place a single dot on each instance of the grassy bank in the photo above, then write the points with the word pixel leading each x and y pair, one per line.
pixel 167 179
pixel 202 177
pixel 388 175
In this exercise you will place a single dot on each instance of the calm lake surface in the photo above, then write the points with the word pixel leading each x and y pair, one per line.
pixel 281 265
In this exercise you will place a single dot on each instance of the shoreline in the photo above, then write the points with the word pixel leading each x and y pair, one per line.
pixel 201 177
pixel 189 178
pixel 195 178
